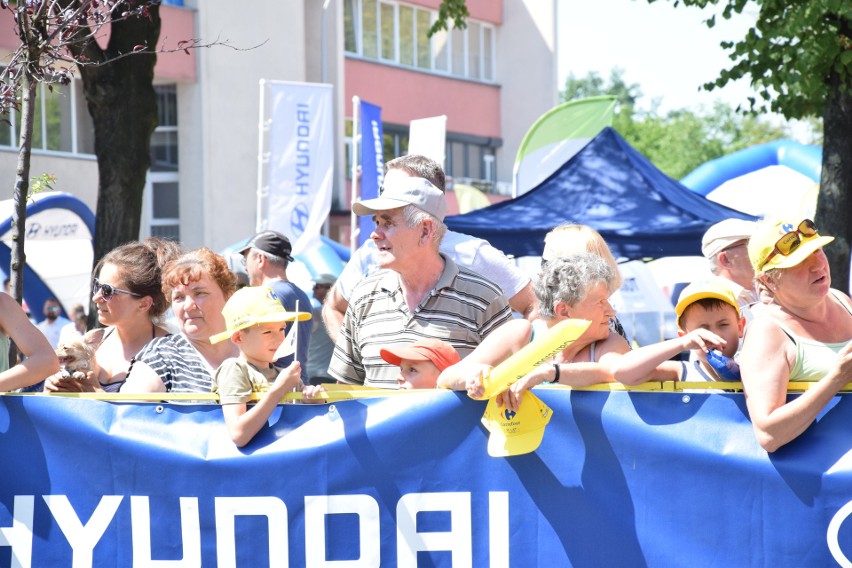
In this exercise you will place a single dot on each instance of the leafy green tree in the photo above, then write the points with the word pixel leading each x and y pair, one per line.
pixel 52 36
pixel 593 85
pixel 798 57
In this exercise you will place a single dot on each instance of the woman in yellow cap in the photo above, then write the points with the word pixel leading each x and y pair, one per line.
pixel 802 335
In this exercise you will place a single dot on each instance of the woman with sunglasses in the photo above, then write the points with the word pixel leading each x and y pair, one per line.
pixel 803 334
pixel 128 295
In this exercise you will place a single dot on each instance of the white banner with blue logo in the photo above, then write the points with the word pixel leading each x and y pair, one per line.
pixel 620 479
pixel 299 175
pixel 372 161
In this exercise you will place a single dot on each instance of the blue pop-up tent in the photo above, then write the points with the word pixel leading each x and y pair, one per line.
pixel 608 185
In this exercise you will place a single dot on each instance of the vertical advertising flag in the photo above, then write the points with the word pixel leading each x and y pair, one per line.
pixel 428 137
pixel 558 135
pixel 301 160
pixel 372 161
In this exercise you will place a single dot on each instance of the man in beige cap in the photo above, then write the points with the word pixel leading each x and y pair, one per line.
pixel 725 246
pixel 420 292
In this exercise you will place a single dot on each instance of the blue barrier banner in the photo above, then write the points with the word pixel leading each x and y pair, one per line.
pixel 372 162
pixel 620 479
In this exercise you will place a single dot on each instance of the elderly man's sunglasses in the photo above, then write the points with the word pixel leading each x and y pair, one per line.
pixel 791 241
pixel 108 290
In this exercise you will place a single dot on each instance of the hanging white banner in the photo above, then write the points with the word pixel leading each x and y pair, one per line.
pixel 428 137
pixel 301 160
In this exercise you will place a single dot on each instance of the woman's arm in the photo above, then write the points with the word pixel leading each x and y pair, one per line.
pixel 40 362
pixel 765 362
pixel 579 374
pixel 494 349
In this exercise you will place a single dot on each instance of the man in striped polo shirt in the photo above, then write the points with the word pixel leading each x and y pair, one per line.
pixel 419 292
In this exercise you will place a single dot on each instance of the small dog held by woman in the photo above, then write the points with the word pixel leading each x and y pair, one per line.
pixel 77 356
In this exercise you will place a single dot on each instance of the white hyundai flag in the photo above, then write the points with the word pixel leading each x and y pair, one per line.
pixel 300 166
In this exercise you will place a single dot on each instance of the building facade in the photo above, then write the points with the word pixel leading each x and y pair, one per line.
pixel 491 80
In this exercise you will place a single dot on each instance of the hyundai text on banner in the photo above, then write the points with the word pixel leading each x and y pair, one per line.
pixel 620 479
pixel 301 163
pixel 372 162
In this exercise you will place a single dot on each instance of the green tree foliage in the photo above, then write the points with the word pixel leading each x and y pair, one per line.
pixel 450 10
pixel 798 57
pixel 678 141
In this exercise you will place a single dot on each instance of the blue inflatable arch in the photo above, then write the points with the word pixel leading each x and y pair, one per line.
pixel 58 245
pixel 805 159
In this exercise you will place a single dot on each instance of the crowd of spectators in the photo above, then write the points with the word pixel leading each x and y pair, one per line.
pixel 422 307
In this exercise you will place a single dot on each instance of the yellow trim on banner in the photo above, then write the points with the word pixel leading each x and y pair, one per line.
pixel 337 392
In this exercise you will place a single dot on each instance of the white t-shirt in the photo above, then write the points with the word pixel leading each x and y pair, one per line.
pixel 52 329
pixel 472 253
pixel 69 333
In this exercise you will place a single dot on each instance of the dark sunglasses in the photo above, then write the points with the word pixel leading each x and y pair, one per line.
pixel 787 244
pixel 107 290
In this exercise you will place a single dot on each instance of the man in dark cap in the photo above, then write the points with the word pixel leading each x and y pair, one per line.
pixel 267 255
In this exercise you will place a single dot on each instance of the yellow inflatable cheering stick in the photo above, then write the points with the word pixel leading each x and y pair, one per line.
pixel 532 355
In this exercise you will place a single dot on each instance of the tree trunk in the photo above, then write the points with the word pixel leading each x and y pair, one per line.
pixel 22 186
pixel 123 106
pixel 834 205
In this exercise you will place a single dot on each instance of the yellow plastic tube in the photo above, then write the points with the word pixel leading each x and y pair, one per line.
pixel 532 355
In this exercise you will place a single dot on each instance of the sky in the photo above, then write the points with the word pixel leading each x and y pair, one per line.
pixel 668 51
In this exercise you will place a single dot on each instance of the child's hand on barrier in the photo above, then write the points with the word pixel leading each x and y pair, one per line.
pixel 310 394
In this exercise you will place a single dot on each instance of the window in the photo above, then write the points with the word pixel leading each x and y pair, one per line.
pixel 61 121
pixel 457 51
pixel 407 35
pixel 369 29
pixel 487 53
pixel 388 34
pixel 164 144
pixel 424 51
pixel 471 159
pixel 441 51
pixel 474 49
pixel 162 195
pixel 350 16
pixel 397 33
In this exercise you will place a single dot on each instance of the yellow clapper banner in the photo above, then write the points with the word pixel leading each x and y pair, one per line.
pixel 521 432
pixel 531 356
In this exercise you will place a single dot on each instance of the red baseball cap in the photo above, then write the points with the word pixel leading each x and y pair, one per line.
pixel 440 353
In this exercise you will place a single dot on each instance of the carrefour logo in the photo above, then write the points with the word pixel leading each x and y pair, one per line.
pixel 509 414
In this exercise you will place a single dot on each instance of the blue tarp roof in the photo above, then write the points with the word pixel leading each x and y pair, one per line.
pixel 608 185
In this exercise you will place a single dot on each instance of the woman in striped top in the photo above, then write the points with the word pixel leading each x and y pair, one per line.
pixel 198 285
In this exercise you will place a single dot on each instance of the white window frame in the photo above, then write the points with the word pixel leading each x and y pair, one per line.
pixel 433 14
pixel 41 97
pixel 148 202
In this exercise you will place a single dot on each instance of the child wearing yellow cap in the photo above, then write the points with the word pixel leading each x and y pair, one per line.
pixel 255 324
pixel 709 324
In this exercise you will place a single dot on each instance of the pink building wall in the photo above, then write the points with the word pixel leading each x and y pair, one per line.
pixel 485 10
pixel 178 24
pixel 404 95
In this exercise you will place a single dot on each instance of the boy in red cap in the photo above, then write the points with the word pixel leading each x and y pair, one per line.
pixel 421 362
